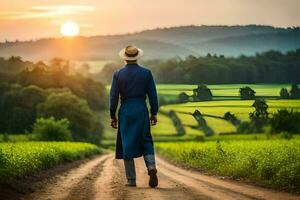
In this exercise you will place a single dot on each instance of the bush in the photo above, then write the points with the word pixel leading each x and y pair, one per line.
pixel 83 123
pixel 202 93
pixel 183 97
pixel 246 93
pixel 52 130
pixel 295 92
pixel 285 121
pixel 284 94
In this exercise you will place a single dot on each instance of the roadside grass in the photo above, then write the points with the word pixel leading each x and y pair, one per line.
pixel 274 163
pixel 23 158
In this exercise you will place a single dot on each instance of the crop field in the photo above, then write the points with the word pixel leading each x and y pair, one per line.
pixel 275 163
pixel 165 126
pixel 240 108
pixel 19 159
pixel 224 91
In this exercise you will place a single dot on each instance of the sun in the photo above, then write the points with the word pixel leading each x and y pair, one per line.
pixel 69 29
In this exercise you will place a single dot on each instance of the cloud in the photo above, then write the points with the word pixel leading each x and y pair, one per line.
pixel 48 11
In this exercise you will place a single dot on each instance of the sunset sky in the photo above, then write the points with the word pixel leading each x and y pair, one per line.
pixel 33 19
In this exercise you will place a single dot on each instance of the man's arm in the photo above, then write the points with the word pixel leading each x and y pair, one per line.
pixel 114 96
pixel 152 95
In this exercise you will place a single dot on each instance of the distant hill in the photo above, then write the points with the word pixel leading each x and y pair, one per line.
pixel 162 43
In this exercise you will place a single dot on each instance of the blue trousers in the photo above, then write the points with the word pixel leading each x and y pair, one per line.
pixel 130 166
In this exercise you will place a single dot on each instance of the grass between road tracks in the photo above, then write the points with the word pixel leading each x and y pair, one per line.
pixel 274 163
pixel 20 159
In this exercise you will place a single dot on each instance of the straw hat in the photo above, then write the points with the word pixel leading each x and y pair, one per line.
pixel 131 53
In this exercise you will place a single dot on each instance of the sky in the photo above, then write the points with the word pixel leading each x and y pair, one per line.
pixel 34 19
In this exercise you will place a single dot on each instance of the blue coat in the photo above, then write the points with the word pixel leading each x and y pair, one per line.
pixel 133 84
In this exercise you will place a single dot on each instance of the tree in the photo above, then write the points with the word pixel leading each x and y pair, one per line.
pixel 202 93
pixel 285 120
pixel 17 105
pixel 295 92
pixel 183 97
pixel 284 94
pixel 232 118
pixel 260 116
pixel 67 105
pixel 246 93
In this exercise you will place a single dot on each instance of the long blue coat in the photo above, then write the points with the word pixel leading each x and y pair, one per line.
pixel 133 84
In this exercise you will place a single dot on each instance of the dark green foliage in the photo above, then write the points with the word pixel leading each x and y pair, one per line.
pixel 58 73
pixel 177 123
pixel 14 64
pixel 57 76
pixel 295 92
pixel 76 110
pixel 52 130
pixel 284 94
pixel 260 116
pixel 286 135
pixel 232 118
pixel 245 127
pixel 202 123
pixel 267 67
pixel 246 93
pixel 285 121
pixel 183 97
pixel 18 107
pixel 202 93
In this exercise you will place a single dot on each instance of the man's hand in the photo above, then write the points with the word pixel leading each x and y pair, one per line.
pixel 114 123
pixel 153 120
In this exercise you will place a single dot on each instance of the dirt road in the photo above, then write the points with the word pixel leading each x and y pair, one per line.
pixel 103 178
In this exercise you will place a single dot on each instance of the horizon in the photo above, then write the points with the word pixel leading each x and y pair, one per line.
pixel 150 29
pixel 33 20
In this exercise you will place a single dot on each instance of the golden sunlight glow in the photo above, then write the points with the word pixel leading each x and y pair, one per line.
pixel 69 29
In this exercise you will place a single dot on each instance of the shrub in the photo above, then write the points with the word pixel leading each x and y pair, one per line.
pixel 177 123
pixel 246 93
pixel 52 130
pixel 260 117
pixel 83 123
pixel 295 92
pixel 285 121
pixel 183 97
pixel 284 94
pixel 202 93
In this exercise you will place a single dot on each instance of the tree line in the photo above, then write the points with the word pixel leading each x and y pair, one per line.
pixel 50 91
pixel 268 67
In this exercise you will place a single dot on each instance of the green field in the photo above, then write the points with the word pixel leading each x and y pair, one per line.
pixel 241 108
pixel 275 163
pixel 267 159
pixel 224 91
pixel 22 158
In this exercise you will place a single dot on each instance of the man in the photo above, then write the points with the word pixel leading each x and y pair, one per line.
pixel 133 84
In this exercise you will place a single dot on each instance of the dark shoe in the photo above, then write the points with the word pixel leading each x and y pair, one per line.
pixel 153 181
pixel 131 183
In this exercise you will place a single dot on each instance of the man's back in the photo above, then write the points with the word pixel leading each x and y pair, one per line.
pixel 133 81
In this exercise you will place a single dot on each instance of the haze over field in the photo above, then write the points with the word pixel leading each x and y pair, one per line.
pixel 215 28
pixel 163 43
